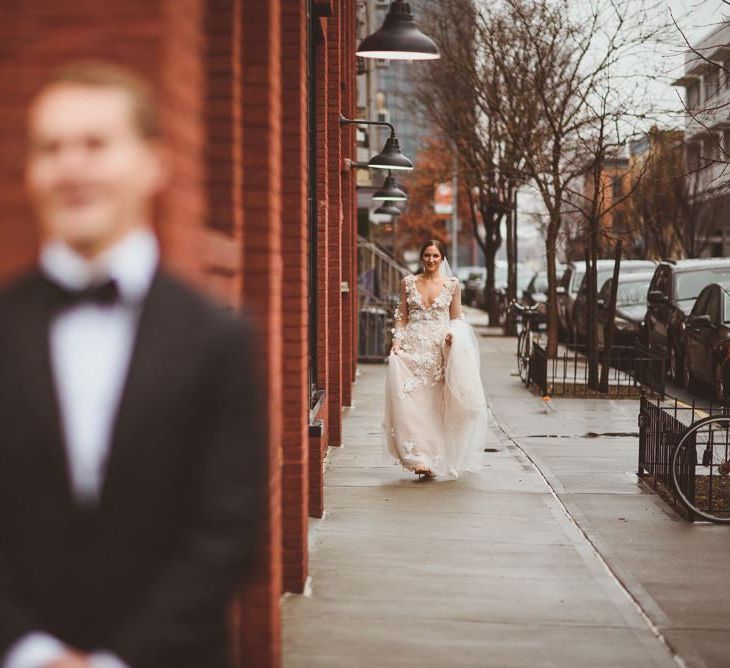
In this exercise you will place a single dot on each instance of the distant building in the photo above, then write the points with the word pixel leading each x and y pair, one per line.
pixel 706 80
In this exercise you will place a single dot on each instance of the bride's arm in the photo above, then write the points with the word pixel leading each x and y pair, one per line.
pixel 401 318
pixel 455 312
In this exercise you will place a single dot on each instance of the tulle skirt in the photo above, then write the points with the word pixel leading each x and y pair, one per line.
pixel 442 427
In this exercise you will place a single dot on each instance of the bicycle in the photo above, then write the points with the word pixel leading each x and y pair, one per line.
pixel 700 468
pixel 524 339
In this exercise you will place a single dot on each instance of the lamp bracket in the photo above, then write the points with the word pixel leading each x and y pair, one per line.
pixel 363 121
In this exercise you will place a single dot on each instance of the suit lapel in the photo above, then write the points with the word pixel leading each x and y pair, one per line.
pixel 36 376
pixel 147 364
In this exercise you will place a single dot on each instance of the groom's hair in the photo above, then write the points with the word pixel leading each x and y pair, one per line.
pixel 103 74
pixel 433 242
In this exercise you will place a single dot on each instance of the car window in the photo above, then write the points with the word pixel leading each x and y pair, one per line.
pixel 713 306
pixel 661 282
pixel 633 292
pixel 540 282
pixel 726 309
pixel 700 307
pixel 577 279
pixel 605 292
pixel 565 279
pixel 690 283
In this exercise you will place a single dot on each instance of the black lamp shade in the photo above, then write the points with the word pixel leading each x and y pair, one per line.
pixel 390 157
pixel 388 210
pixel 390 192
pixel 398 38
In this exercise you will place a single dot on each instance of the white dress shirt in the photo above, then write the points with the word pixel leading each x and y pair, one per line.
pixel 90 347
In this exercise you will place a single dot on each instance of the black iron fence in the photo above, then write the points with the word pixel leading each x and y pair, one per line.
pixel 662 424
pixel 569 372
pixel 379 277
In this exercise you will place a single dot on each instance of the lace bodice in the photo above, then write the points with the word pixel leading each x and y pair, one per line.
pixel 438 310
pixel 422 337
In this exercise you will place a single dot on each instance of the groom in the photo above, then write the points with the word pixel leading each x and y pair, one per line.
pixel 132 471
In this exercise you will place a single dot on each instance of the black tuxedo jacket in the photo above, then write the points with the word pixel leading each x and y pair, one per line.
pixel 148 571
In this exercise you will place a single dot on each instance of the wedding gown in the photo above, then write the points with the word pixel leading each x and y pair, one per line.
pixel 435 410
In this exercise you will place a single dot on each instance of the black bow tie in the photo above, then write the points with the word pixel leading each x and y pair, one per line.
pixel 102 294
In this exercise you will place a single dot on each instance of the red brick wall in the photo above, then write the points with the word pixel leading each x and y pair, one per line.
pixel 318 440
pixel 260 632
pixel 232 77
pixel 347 20
pixel 334 225
pixel 295 479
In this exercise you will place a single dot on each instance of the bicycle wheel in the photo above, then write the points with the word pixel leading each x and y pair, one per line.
pixel 523 359
pixel 701 468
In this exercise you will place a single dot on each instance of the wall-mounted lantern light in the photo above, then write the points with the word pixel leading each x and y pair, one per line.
pixel 398 38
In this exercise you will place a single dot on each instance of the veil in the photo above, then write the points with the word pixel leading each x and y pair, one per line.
pixel 446 269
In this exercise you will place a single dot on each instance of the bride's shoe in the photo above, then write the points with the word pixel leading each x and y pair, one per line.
pixel 422 473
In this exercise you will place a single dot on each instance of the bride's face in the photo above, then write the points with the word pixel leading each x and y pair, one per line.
pixel 431 258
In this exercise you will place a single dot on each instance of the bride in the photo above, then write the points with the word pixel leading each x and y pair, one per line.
pixel 435 412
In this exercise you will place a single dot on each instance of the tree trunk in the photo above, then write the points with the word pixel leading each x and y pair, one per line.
pixel 490 293
pixel 592 306
pixel 551 240
pixel 611 315
pixel 509 320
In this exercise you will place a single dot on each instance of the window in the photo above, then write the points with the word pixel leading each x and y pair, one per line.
pixel 693 96
pixel 713 306
pixel 711 152
pixel 617 186
pixel 661 281
pixel 700 306
pixel 631 292
pixel 712 82
pixel 693 157
pixel 690 284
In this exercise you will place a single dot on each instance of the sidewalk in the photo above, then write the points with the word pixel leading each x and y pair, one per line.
pixel 677 572
pixel 489 570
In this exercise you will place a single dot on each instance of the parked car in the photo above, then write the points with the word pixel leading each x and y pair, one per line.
pixel 463 273
pixel 604 271
pixel 473 292
pixel 672 294
pixel 706 341
pixel 630 308
pixel 536 290
pixel 568 286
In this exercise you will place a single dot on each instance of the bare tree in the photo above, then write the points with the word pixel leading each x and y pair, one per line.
pixel 554 90
pixel 449 92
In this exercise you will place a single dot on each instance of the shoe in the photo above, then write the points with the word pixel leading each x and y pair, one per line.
pixel 422 473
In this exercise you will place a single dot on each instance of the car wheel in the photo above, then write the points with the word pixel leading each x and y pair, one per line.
pixel 720 383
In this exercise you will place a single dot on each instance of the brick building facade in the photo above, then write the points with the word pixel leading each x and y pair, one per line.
pixel 261 210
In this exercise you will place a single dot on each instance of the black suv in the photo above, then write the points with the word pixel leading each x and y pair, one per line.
pixel 672 294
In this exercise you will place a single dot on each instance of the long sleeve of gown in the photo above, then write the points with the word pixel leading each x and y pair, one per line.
pixel 400 315
pixel 455 311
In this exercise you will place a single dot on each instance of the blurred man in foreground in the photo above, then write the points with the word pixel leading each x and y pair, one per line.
pixel 131 439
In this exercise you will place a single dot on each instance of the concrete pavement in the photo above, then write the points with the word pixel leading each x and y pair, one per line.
pixel 515 566
pixel 677 572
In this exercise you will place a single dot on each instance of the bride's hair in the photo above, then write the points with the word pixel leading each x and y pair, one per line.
pixel 433 242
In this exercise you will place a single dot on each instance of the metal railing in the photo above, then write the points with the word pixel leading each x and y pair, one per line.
pixel 379 277
pixel 568 373
pixel 662 424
